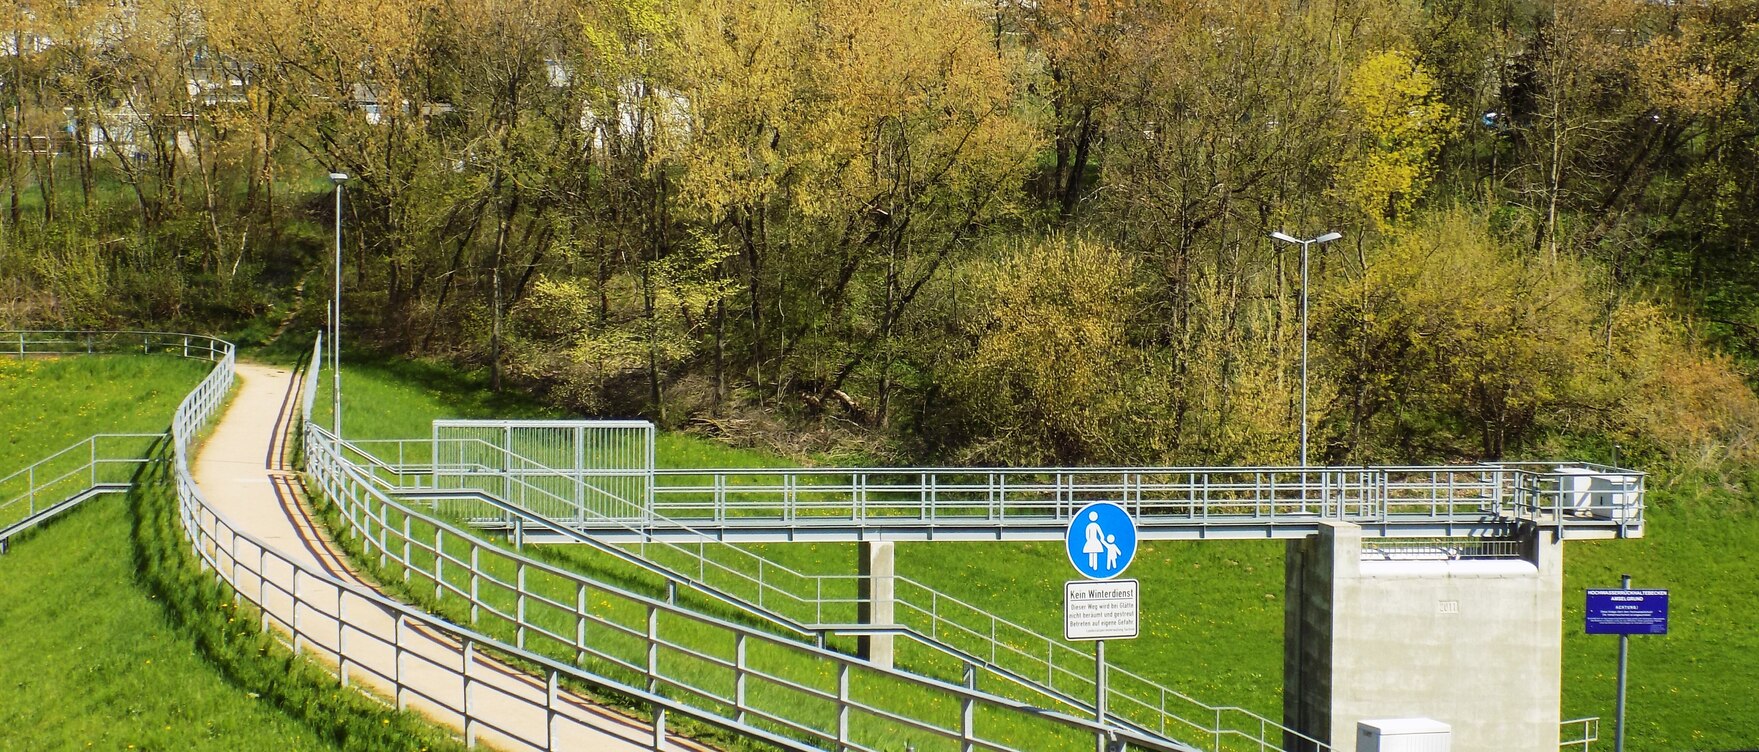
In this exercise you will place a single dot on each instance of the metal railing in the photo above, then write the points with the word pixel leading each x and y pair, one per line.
pixel 553 609
pixel 28 343
pixel 1465 496
pixel 1035 503
pixel 1586 731
pixel 1467 500
pixel 1442 549
pixel 376 641
pixel 831 603
pixel 100 463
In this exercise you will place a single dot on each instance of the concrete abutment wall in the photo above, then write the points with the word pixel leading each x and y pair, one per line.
pixel 1476 644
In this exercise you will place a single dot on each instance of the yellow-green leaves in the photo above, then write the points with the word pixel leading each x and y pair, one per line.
pixel 1398 122
pixel 1052 374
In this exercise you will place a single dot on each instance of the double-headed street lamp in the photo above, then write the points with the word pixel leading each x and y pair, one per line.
pixel 1286 238
pixel 336 316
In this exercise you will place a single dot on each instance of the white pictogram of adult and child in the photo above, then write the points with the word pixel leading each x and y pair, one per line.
pixel 1098 542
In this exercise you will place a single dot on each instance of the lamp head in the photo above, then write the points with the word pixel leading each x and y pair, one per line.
pixel 338 177
pixel 1328 237
pixel 1285 237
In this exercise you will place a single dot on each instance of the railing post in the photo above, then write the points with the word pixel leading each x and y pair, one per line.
pixel 968 713
pixel 842 706
pixel 473 577
pixel 580 626
pixel 550 692
pixel 397 661
pixel 384 549
pixel 653 648
pixel 469 720
pixel 519 605
pixel 439 564
pixel 739 677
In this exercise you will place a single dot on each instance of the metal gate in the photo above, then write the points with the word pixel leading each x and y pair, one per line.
pixel 577 470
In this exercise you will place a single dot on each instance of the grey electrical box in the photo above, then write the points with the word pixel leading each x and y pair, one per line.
pixel 1403 735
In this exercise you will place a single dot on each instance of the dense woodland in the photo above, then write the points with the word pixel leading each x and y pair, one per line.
pixel 1020 231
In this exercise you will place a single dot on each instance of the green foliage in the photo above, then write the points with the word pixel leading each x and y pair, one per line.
pixel 1047 373
pixel 763 212
pixel 1691 688
pixel 1450 333
pixel 1400 124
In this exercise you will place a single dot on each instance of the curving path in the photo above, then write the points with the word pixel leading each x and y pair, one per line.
pixel 241 469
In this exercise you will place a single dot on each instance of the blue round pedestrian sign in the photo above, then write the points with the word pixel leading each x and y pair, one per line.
pixel 1101 540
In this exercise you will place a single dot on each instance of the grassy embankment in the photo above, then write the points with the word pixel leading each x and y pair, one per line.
pixel 113 637
pixel 87 657
pixel 1213 611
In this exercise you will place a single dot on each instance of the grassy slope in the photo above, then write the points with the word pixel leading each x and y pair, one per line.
pixel 1213 611
pixel 1694 688
pixel 45 405
pixel 87 657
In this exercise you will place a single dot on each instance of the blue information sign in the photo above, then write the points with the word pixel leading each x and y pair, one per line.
pixel 1617 611
pixel 1101 540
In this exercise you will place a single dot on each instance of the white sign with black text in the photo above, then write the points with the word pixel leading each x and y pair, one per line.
pixel 1100 609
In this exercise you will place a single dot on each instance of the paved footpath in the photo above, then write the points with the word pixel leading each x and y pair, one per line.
pixel 241 470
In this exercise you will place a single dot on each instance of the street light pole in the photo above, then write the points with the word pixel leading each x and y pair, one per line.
pixel 1326 238
pixel 338 178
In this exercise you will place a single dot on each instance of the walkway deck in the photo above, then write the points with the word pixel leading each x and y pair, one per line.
pixel 241 469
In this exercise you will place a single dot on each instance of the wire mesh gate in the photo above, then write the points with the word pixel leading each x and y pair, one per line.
pixel 562 469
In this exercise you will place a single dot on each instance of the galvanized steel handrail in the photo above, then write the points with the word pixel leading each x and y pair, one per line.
pixel 357 496
pixel 926 497
pixel 96 465
pixel 94 461
pixel 994 639
pixel 1587 733
pixel 1459 499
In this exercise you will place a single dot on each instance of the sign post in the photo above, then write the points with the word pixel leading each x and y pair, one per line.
pixel 1101 543
pixel 1625 612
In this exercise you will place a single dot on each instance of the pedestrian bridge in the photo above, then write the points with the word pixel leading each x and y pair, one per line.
pixel 600 478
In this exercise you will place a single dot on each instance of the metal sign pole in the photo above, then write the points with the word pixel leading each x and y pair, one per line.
pixel 1099 691
pixel 1618 732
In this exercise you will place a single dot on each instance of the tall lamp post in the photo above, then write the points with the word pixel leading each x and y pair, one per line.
pixel 1326 238
pixel 336 316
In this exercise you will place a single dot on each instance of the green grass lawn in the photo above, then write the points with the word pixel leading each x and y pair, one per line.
pixel 1697 687
pixel 87 657
pixel 47 404
pixel 1213 611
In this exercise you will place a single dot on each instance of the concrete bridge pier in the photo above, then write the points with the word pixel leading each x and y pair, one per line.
pixel 1475 643
pixel 878 593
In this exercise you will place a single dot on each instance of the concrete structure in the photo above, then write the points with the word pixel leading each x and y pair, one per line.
pixel 877 599
pixel 1476 644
